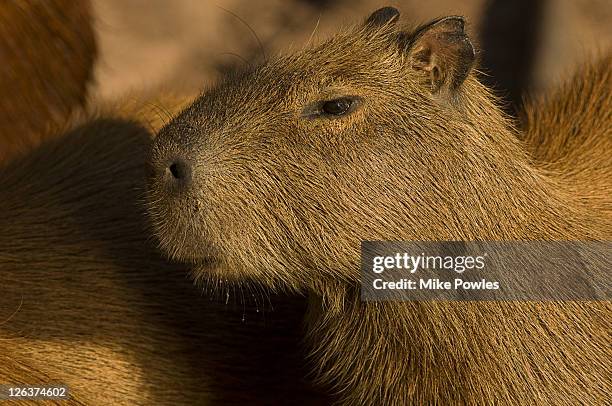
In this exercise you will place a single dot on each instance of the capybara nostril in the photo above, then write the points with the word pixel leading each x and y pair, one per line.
pixel 179 173
pixel 176 171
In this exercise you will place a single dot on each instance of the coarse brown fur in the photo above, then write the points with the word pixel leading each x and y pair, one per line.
pixel 87 301
pixel 569 133
pixel 47 49
pixel 22 373
pixel 263 192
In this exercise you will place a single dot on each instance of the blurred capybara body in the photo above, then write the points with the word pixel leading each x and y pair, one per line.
pixel 47 49
pixel 89 303
pixel 280 172
pixel 22 373
pixel 568 132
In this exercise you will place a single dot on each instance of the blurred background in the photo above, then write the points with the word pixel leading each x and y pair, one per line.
pixel 525 45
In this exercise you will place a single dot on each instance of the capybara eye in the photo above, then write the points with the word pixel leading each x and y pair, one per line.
pixel 332 108
pixel 337 107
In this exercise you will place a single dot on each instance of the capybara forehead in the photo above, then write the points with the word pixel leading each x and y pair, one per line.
pixel 349 62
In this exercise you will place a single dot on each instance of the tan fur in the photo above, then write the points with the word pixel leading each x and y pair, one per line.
pixel 85 300
pixel 287 200
pixel 47 49
pixel 569 132
pixel 21 372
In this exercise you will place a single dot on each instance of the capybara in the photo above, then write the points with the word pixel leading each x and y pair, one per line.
pixel 569 131
pixel 87 301
pixel 21 372
pixel 383 133
pixel 47 49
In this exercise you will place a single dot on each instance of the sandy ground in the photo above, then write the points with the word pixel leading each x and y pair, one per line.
pixel 186 44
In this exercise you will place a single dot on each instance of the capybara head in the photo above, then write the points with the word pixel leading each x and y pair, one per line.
pixel 280 171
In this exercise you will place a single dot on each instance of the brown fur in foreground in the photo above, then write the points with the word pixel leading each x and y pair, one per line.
pixel 86 301
pixel 21 372
pixel 47 49
pixel 261 178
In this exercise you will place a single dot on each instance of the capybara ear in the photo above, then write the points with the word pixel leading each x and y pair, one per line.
pixel 442 51
pixel 383 16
